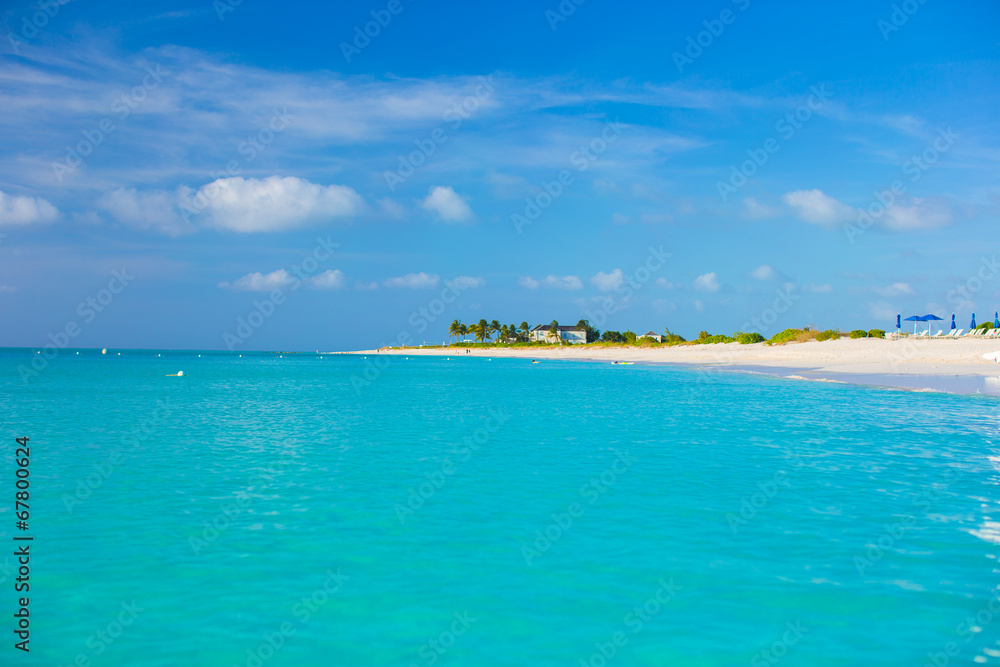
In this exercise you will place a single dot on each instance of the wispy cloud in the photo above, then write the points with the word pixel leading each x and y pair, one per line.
pixel 551 282
pixel 414 281
pixel 447 204
pixel 17 211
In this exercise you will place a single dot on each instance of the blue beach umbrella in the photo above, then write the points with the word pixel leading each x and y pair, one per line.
pixel 915 319
pixel 931 318
pixel 973 325
pixel 996 319
pixel 897 321
pixel 953 327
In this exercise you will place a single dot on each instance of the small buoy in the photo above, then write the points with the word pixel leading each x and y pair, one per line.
pixel 178 374
pixel 104 351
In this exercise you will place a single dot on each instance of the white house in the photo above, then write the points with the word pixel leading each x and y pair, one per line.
pixel 652 334
pixel 574 335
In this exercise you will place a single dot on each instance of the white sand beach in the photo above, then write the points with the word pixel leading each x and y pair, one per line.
pixel 890 360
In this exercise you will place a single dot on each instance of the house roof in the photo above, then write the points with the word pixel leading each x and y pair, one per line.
pixel 650 333
pixel 548 327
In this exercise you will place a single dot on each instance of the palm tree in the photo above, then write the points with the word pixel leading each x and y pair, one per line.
pixel 463 331
pixel 483 330
pixel 494 327
pixel 504 333
pixel 455 329
pixel 525 330
pixel 554 330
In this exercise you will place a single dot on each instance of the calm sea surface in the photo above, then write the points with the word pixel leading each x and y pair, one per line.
pixel 325 510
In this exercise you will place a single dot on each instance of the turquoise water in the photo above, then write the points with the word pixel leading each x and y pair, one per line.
pixel 693 518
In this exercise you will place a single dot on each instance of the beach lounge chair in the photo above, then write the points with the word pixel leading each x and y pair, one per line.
pixel 956 333
pixel 939 333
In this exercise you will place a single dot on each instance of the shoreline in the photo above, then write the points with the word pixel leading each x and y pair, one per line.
pixel 951 366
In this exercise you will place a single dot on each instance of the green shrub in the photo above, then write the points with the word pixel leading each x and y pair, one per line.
pixel 669 337
pixel 708 339
pixel 876 333
pixel 985 325
pixel 859 333
pixel 786 336
pixel 829 334
pixel 748 338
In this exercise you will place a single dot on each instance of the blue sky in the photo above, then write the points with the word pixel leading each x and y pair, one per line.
pixel 523 162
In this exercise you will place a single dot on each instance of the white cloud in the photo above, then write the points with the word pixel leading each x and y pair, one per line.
pixel 467 282
pixel 21 210
pixel 414 281
pixel 708 282
pixel 764 272
pixel 447 204
pixel 150 210
pixel 271 204
pixel 260 282
pixel 815 207
pixel 759 211
pixel 663 283
pixel 391 209
pixel 329 279
pixel 608 282
pixel 921 214
pixel 894 290
pixel 275 203
pixel 552 282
